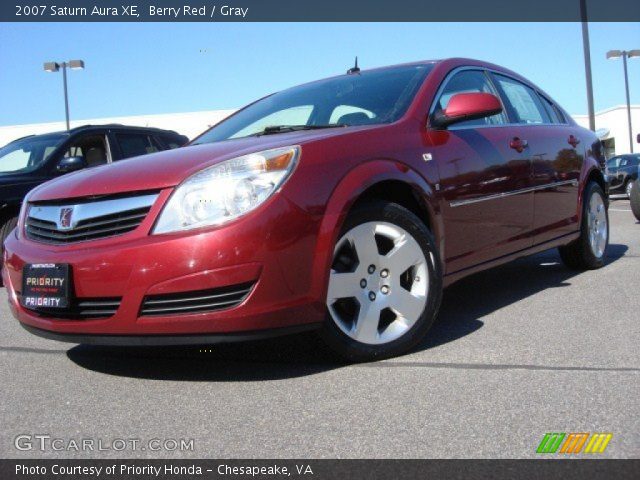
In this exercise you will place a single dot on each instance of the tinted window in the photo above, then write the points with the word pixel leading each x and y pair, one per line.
pixel 468 81
pixel 525 104
pixel 613 162
pixel 133 144
pixel 385 93
pixel 27 154
pixel 172 141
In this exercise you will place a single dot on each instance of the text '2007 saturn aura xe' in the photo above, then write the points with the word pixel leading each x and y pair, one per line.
pixel 344 205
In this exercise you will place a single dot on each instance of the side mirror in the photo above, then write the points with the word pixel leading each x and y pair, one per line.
pixel 467 106
pixel 71 164
pixel 638 138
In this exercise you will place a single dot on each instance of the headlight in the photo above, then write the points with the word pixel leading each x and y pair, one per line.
pixel 22 216
pixel 227 191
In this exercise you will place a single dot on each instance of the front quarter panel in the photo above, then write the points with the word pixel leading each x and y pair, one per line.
pixel 346 193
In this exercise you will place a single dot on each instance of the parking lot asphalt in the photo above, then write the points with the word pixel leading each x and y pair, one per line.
pixel 524 349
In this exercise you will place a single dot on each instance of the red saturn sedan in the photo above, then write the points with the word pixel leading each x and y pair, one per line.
pixel 344 205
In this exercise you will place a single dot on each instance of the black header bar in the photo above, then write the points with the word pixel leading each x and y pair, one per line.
pixel 317 11
pixel 320 469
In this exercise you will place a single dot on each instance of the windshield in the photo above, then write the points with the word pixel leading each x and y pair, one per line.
pixel 366 98
pixel 27 154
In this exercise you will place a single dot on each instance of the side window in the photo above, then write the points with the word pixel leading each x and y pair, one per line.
pixel 551 110
pixel 298 115
pixel 469 81
pixel 134 144
pixel 171 142
pixel 92 147
pixel 19 159
pixel 524 102
pixel 560 115
pixel 350 115
pixel 613 162
pixel 624 162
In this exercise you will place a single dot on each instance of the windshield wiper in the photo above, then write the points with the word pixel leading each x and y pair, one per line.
pixel 273 129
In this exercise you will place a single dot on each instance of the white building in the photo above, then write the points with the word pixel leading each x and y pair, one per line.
pixel 190 124
pixel 611 125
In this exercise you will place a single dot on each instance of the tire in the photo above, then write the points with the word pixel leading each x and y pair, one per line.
pixel 635 199
pixel 628 187
pixel 589 250
pixel 5 230
pixel 386 260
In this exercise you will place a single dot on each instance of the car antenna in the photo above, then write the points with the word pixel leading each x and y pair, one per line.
pixel 355 69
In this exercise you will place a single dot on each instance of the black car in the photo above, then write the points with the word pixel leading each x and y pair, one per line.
pixel 30 161
pixel 622 171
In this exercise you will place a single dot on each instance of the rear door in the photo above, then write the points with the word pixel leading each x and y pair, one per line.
pixel 556 160
pixel 485 183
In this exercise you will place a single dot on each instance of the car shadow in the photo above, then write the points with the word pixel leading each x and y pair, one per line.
pixel 478 295
pixel 464 304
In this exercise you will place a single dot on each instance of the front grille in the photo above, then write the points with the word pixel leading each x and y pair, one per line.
pixel 86 220
pixel 98 227
pixel 195 301
pixel 83 309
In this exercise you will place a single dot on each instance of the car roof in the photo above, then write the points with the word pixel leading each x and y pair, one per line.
pixel 453 62
pixel 111 126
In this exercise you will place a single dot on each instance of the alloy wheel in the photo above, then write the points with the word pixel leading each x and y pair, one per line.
pixel 379 282
pixel 597 225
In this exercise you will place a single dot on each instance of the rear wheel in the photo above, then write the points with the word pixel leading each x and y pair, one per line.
pixel 635 199
pixel 385 284
pixel 588 251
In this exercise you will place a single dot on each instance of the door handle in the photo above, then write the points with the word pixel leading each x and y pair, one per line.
pixel 518 144
pixel 573 141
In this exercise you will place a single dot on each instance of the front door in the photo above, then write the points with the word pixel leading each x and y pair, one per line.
pixel 486 200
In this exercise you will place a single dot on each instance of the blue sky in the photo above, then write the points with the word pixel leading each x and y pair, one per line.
pixel 164 67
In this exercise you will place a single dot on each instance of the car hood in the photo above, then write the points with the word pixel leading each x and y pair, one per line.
pixel 169 168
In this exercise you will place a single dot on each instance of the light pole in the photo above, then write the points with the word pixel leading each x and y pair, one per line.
pixel 587 63
pixel 55 67
pixel 613 54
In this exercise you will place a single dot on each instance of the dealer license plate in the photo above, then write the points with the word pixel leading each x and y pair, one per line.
pixel 45 286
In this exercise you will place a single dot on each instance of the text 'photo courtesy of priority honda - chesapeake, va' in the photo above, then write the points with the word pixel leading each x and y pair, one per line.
pixel 320 240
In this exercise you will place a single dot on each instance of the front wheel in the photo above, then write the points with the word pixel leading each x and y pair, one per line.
pixel 628 188
pixel 588 251
pixel 385 284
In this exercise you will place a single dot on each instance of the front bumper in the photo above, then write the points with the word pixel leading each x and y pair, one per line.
pixel 169 340
pixel 272 248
